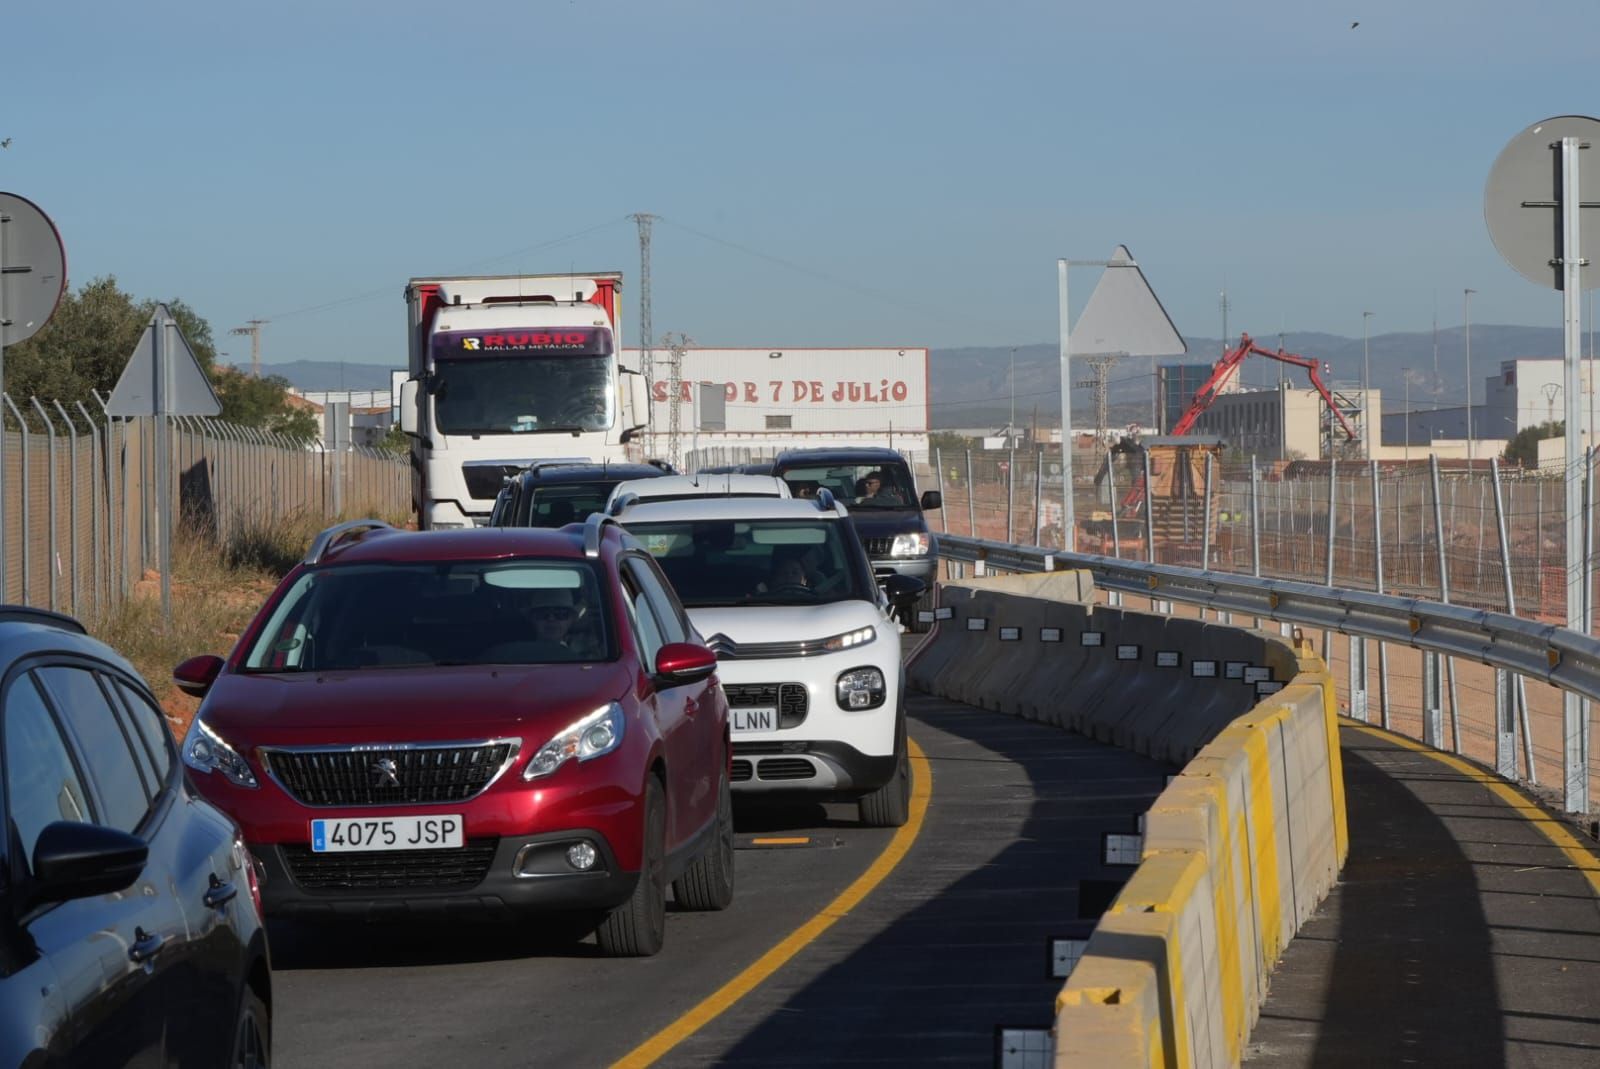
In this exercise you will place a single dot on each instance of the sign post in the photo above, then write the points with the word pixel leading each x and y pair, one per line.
pixel 163 378
pixel 1548 250
pixel 33 276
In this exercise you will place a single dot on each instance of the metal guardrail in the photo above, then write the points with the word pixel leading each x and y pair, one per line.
pixel 1562 658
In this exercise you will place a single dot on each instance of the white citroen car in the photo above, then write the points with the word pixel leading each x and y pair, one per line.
pixel 808 653
pixel 691 487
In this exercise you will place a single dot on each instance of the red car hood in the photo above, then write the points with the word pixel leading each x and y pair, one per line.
pixel 532 702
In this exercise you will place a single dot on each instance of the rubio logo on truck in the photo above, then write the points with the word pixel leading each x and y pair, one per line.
pixel 565 341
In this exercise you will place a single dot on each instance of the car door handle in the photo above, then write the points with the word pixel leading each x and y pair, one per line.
pixel 219 893
pixel 145 946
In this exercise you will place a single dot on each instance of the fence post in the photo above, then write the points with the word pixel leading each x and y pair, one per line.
pixel 1114 598
pixel 53 557
pixel 1377 546
pixel 1255 524
pixel 1444 596
pixel 972 492
pixel 938 478
pixel 1011 495
pixel 1516 690
pixel 72 501
pixel 94 507
pixel 1333 482
pixel 114 591
pixel 1038 492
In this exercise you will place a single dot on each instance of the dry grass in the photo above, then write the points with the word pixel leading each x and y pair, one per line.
pixel 216 589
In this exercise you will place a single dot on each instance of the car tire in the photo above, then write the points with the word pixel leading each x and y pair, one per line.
pixel 707 884
pixel 637 928
pixel 252 1033
pixel 890 805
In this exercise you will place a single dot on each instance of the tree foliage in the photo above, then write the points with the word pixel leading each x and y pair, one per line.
pixel 86 344
pixel 1524 448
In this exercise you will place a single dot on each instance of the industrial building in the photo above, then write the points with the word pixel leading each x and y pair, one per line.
pixel 1526 392
pixel 1288 423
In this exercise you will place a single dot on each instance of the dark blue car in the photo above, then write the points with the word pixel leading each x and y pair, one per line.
pixel 130 918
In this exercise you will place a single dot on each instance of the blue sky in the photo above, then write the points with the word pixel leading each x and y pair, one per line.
pixel 891 173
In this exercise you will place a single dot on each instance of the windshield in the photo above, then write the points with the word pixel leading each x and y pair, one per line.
pixel 858 486
pixel 564 503
pixel 522 382
pixel 371 616
pixel 755 562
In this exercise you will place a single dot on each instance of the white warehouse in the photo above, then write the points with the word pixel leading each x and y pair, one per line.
pixel 779 399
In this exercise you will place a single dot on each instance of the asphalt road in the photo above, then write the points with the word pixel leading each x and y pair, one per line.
pixel 952 943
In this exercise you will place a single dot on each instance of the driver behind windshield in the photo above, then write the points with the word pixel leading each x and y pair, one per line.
pixel 788 576
pixel 875 490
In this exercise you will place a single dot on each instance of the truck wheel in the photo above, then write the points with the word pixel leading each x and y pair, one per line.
pixel 638 927
pixel 707 884
pixel 890 805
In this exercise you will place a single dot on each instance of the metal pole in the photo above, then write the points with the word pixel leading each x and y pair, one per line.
pixel 72 500
pixel 1255 524
pixel 938 475
pixel 162 346
pixel 1511 698
pixel 1069 519
pixel 1333 482
pixel 1038 491
pixel 1011 495
pixel 94 506
pixel 1377 544
pixel 1466 322
pixel 1205 519
pixel 1115 597
pixel 53 558
pixel 972 492
pixel 27 498
pixel 1588 585
pixel 1574 728
pixel 1444 595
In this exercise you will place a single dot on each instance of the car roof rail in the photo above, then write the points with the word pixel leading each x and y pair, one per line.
pixel 594 529
pixel 824 500
pixel 27 614
pixel 323 544
pixel 629 498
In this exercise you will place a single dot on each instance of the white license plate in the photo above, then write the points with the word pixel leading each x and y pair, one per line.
pixel 387 833
pixel 754 720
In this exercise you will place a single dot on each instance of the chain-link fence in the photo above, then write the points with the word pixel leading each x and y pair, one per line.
pixel 79 492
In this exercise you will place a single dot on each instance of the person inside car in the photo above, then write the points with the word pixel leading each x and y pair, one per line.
pixel 875 492
pixel 545 618
pixel 788 577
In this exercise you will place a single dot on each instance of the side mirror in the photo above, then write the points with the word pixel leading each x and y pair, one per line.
pixel 195 676
pixel 409 413
pixel 684 662
pixel 932 499
pixel 73 860
pixel 903 590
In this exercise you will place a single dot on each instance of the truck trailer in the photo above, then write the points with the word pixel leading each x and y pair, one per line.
pixel 506 370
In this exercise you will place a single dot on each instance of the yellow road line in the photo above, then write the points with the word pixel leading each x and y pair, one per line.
pixel 756 973
pixel 799 840
pixel 1582 858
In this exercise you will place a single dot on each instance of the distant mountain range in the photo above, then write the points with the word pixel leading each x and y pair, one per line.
pixel 971 386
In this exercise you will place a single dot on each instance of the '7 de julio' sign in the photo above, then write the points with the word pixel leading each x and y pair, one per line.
pixel 799 391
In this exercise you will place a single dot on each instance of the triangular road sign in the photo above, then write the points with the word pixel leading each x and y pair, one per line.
pixel 1123 316
pixel 187 391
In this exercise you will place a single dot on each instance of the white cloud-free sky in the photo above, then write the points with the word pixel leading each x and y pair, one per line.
pixel 827 173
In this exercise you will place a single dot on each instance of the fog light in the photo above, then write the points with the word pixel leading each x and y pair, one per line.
pixel 581 856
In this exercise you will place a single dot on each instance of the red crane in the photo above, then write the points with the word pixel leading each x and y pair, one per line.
pixel 1220 374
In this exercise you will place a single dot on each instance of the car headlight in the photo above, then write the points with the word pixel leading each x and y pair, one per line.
pixel 849 640
pixel 206 751
pixel 914 544
pixel 860 688
pixel 596 734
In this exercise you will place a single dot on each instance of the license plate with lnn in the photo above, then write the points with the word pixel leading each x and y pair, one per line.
pixel 387 833
pixel 754 720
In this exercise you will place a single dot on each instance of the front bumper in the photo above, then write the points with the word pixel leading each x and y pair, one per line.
pixel 923 568
pixel 817 770
pixel 524 875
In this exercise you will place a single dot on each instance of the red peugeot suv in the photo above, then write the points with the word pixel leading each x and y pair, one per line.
pixel 513 719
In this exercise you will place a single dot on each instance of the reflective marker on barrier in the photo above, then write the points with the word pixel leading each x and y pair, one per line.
pixel 1267 686
pixel 1023 1048
pixel 1011 634
pixel 1235 669
pixel 1203 669
pixel 977 623
pixel 1049 634
pixel 1119 848
pixel 1168 659
pixel 1092 638
pixel 1256 675
pixel 924 616
pixel 1064 956
pixel 944 612
pixel 1141 823
pixel 1127 653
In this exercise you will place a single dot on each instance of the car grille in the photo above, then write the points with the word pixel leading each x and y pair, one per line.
pixel 485 480
pixel 378 869
pixel 727 649
pixel 422 775
pixel 785 768
pixel 790 699
pixel 878 547
pixel 741 771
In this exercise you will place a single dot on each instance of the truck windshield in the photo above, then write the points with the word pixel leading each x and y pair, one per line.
pixel 522 382
pixel 757 562
pixel 858 486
